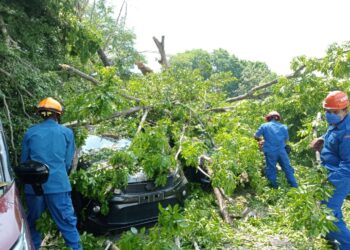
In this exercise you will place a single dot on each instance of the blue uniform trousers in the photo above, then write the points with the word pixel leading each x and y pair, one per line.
pixel 62 212
pixel 281 157
pixel 335 202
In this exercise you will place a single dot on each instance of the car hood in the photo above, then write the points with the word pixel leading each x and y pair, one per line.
pixel 10 218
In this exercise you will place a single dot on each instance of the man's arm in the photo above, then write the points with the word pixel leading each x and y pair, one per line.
pixel 25 149
pixel 70 150
pixel 258 136
pixel 344 154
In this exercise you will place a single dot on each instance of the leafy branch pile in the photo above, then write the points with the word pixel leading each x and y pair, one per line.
pixel 203 104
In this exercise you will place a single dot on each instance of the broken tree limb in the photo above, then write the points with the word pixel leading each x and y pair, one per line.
pixel 200 122
pixel 228 108
pixel 127 112
pixel 315 125
pixel 180 142
pixel 250 93
pixel 23 105
pixel 113 116
pixel 143 119
pixel 219 197
pixel 75 71
pixel 143 68
pixel 104 58
pixel 85 76
pixel 160 45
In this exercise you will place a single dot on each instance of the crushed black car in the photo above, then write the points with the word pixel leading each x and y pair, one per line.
pixel 135 205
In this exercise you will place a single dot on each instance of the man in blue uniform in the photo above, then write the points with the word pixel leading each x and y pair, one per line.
pixel 335 157
pixel 275 137
pixel 51 144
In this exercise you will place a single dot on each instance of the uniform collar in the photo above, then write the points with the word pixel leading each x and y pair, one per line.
pixel 342 124
pixel 50 121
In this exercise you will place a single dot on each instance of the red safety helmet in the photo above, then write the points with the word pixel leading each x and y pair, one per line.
pixel 273 114
pixel 50 104
pixel 336 100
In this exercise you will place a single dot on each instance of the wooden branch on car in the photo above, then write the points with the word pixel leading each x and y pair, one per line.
pixel 85 76
pixel 219 197
pixel 250 93
pixel 143 119
pixel 126 112
pixel 180 142
pixel 160 45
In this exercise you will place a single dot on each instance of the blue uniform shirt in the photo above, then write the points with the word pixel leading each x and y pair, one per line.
pixel 335 155
pixel 275 135
pixel 52 144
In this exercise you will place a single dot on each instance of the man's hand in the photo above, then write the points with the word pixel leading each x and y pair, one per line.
pixel 317 144
pixel 261 144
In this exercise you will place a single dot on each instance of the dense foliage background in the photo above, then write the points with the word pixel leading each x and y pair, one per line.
pixel 191 105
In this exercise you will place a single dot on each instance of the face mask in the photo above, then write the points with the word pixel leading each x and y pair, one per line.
pixel 332 118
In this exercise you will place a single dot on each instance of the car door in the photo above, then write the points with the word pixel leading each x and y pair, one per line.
pixel 14 232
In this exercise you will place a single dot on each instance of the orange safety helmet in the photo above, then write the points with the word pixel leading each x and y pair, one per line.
pixel 273 114
pixel 50 104
pixel 336 100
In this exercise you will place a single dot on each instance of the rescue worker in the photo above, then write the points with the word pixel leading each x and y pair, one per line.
pixel 51 144
pixel 335 157
pixel 275 136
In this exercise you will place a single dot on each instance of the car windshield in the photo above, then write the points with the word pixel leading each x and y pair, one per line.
pixel 94 142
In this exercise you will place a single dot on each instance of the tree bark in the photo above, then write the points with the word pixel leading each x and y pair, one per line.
pixel 143 68
pixel 250 93
pixel 160 45
pixel 219 198
pixel 105 60
pixel 85 76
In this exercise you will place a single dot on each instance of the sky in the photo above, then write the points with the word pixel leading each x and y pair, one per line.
pixel 270 31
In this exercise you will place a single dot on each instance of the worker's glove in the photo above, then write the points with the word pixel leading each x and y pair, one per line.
pixel 288 149
pixel 317 144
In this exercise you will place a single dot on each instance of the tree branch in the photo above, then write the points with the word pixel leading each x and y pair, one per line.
pixel 5 73
pixel 160 45
pixel 250 93
pixel 105 60
pixel 143 119
pixel 219 197
pixel 180 141
pixel 11 128
pixel 85 76
pixel 143 68
pixel 75 71
pixel 23 106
